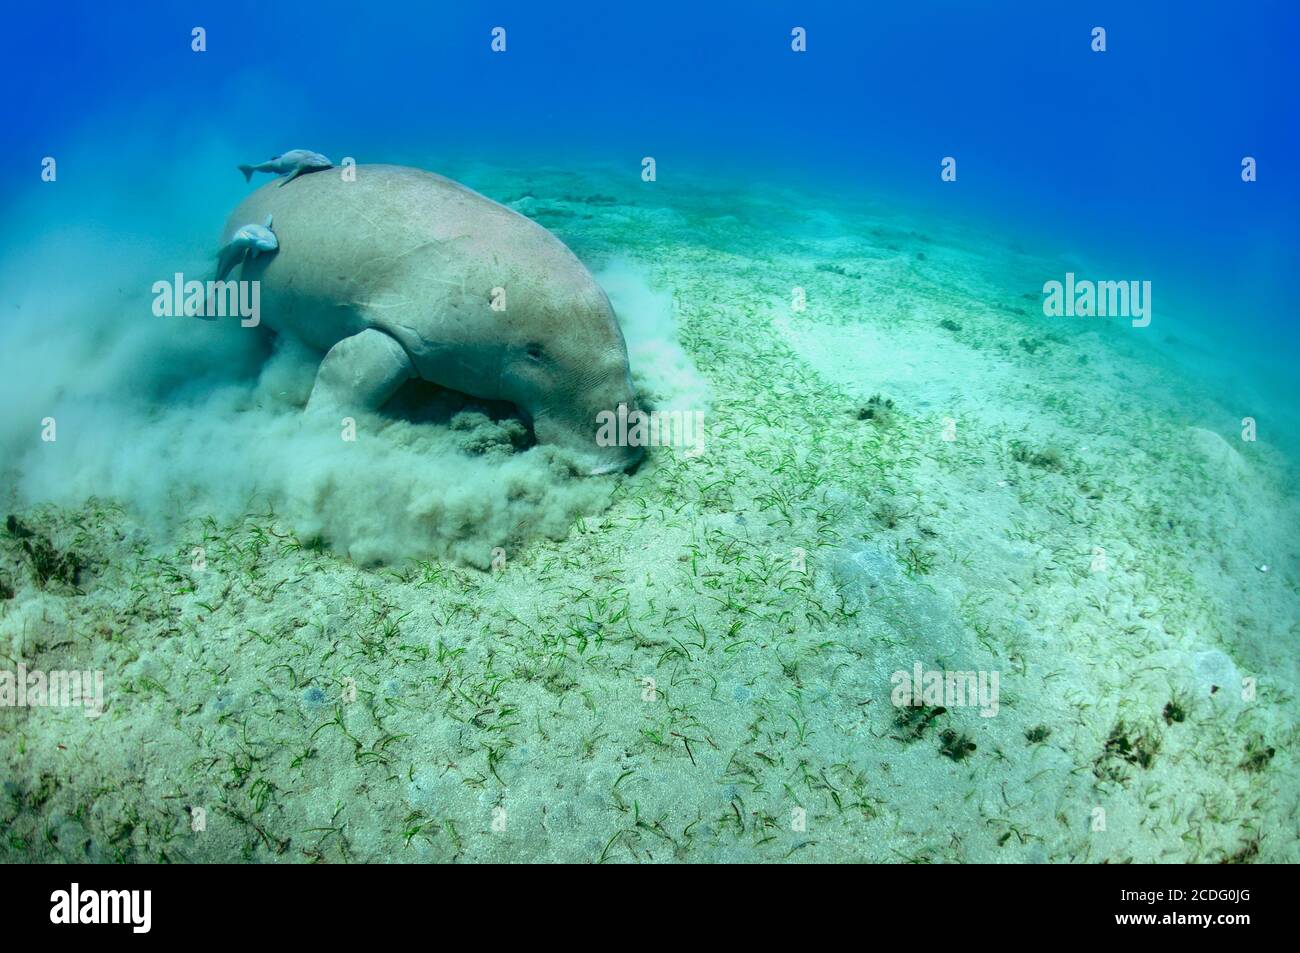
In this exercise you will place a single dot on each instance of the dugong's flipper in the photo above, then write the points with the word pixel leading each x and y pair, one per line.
pixel 360 373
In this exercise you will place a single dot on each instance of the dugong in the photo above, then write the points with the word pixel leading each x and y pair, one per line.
pixel 399 273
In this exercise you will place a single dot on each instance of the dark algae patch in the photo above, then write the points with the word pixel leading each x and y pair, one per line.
pixel 47 564
pixel 1126 745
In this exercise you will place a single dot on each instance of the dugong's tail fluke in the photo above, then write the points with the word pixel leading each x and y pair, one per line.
pixel 248 172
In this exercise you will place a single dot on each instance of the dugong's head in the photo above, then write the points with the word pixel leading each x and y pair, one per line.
pixel 566 368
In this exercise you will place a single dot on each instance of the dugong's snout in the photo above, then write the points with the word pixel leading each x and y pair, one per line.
pixel 612 446
pixel 625 459
pixel 596 460
pixel 588 419
pixel 593 435
pixel 575 387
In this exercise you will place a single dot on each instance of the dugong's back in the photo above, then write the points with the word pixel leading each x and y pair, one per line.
pixel 405 250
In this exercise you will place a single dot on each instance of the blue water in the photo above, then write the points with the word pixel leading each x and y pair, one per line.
pixel 1130 157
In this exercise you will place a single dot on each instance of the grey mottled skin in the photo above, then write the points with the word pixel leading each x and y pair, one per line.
pixel 392 275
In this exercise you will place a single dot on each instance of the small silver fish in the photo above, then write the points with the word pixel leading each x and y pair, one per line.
pixel 291 164
pixel 247 243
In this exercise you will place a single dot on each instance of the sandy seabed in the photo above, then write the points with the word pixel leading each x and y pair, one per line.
pixel 695 662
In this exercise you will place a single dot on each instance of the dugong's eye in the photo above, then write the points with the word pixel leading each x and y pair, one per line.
pixel 534 352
